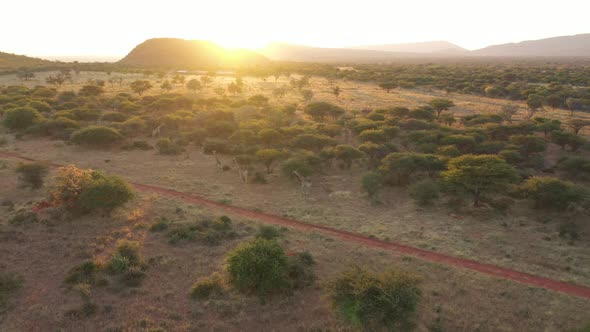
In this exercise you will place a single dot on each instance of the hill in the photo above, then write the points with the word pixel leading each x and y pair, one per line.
pixel 188 54
pixel 11 62
pixel 290 52
pixel 432 47
pixel 563 46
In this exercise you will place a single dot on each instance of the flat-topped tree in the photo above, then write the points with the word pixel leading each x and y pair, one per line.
pixel 440 105
pixel 479 174
pixel 140 86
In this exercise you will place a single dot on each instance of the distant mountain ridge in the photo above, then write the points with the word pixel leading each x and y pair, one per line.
pixel 440 47
pixel 199 54
pixel 576 45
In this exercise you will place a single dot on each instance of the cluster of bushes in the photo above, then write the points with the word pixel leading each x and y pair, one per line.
pixel 211 232
pixel 86 190
pixel 125 265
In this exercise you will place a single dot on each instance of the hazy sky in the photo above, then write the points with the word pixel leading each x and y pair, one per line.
pixel 113 27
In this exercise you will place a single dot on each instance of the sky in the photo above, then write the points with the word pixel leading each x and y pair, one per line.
pixel 114 27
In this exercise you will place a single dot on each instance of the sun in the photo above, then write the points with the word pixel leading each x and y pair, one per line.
pixel 233 42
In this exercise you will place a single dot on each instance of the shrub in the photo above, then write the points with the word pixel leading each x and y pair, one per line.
pixel 206 287
pixel 114 117
pixel 449 151
pixel 218 145
pixel 511 156
pixel 373 301
pixel 21 118
pixel 126 255
pixel 575 167
pixel 105 192
pixel 268 232
pixel 97 136
pixel 210 232
pixel 372 183
pixel 32 174
pixel 373 135
pixel 88 190
pixel 84 273
pixel 168 146
pixel 159 225
pixel 9 283
pixel 424 191
pixel 259 266
pixel 300 272
pixel 552 193
pixel 138 145
pixel 502 204
pixel 60 128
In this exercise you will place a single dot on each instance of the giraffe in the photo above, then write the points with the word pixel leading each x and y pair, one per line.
pixel 156 132
pixel 243 172
pixel 217 161
pixel 305 182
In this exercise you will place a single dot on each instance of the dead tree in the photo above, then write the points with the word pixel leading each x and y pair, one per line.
pixel 242 171
pixel 305 182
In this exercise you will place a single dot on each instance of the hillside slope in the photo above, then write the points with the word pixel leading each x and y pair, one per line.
pixel 188 54
pixel 12 62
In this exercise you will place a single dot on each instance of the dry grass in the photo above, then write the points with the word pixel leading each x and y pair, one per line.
pixel 162 301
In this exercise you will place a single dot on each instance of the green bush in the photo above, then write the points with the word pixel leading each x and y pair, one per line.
pixel 169 147
pixel 373 301
pixel 424 192
pixel 114 117
pixel 59 128
pixel 552 193
pixel 300 272
pixel 268 232
pixel 84 273
pixel 372 182
pixel 218 145
pixel 32 174
pixel 126 255
pixel 105 192
pixel 259 266
pixel 206 287
pixel 97 136
pixel 21 118
pixel 9 284
pixel 210 232
pixel 138 145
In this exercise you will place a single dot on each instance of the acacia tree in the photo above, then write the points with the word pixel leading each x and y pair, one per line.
pixel 140 86
pixel 388 86
pixel 347 154
pixel 336 91
pixel 534 104
pixel 578 124
pixel 479 174
pixel 440 105
pixel 193 85
pixel 268 157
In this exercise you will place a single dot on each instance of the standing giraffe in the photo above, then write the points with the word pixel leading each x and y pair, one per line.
pixel 156 132
pixel 243 172
pixel 217 161
pixel 305 182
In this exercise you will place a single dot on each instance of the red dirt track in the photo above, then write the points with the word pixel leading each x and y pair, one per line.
pixel 492 270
